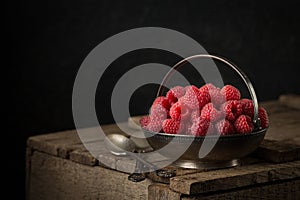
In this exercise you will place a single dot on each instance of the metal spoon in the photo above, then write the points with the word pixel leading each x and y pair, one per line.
pixel 120 145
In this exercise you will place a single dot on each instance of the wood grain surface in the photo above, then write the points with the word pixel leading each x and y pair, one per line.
pixel 58 166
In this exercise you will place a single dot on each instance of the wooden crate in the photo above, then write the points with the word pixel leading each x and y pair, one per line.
pixel 59 167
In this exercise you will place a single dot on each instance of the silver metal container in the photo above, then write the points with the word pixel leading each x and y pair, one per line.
pixel 227 150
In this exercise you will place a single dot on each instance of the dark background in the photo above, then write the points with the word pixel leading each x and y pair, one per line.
pixel 51 38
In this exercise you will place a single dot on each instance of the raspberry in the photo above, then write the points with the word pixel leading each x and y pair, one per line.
pixel 155 124
pixel 203 99
pixel 243 124
pixel 191 97
pixel 172 126
pixel 230 92
pixel 207 87
pixel 194 99
pixel 232 109
pixel 175 93
pixel 179 111
pixel 199 127
pixel 215 95
pixel 224 127
pixel 163 101
pixel 211 129
pixel 264 119
pixel 210 113
pixel 248 107
pixel 144 121
pixel 187 127
pixel 158 111
pixel 195 114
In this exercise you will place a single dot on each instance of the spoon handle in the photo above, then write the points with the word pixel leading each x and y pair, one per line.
pixel 141 163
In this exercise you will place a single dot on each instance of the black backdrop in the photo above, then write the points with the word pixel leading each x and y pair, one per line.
pixel 53 37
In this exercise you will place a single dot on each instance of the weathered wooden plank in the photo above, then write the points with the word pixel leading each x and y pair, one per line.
pixel 290 100
pixel 60 179
pixel 83 156
pixel 159 191
pixel 275 151
pixel 234 177
pixel 275 191
pixel 50 143
pixel 284 121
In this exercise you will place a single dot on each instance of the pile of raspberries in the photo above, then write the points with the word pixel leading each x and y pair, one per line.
pixel 207 110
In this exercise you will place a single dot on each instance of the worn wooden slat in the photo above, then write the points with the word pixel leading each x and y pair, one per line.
pixel 234 177
pixel 57 178
pixel 50 143
pixel 159 191
pixel 84 157
pixel 275 151
pixel 290 100
pixel 276 191
pixel 284 122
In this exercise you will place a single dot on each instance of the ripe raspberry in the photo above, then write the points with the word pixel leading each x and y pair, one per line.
pixel 158 111
pixel 163 101
pixel 175 93
pixel 243 124
pixel 199 127
pixel 210 113
pixel 179 111
pixel 230 92
pixel 194 115
pixel 187 127
pixel 172 126
pixel 207 87
pixel 224 127
pixel 191 97
pixel 194 99
pixel 145 120
pixel 248 107
pixel 211 129
pixel 155 124
pixel 264 119
pixel 215 95
pixel 232 109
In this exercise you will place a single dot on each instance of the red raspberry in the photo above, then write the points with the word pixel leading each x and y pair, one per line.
pixel 158 111
pixel 194 99
pixel 211 129
pixel 224 127
pixel 188 126
pixel 172 126
pixel 264 119
pixel 207 87
pixel 232 109
pixel 145 120
pixel 210 113
pixel 155 124
pixel 194 115
pixel 215 95
pixel 191 97
pixel 163 101
pixel 175 93
pixel 230 92
pixel 243 124
pixel 199 127
pixel 179 111
pixel 248 107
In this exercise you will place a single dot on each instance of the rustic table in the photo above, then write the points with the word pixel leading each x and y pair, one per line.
pixel 59 167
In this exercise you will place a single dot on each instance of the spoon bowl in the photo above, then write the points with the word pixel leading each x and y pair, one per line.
pixel 119 144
